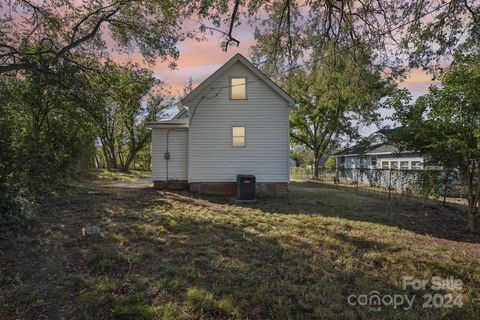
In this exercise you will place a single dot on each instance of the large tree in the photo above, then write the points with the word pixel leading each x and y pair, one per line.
pixel 121 100
pixel 403 33
pixel 42 35
pixel 445 124
pixel 333 99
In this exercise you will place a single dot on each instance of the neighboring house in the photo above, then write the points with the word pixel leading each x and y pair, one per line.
pixel 377 153
pixel 237 122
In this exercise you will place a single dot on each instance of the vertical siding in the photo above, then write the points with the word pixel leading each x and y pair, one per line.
pixel 178 148
pixel 264 115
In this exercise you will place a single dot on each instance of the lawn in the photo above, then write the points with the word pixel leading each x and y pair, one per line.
pixel 165 255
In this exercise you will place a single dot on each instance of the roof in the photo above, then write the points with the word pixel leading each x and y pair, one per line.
pixel 364 147
pixel 173 124
pixel 237 58
pixel 182 114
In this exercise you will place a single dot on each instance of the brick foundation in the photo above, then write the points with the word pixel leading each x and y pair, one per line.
pixel 213 188
pixel 171 184
pixel 263 189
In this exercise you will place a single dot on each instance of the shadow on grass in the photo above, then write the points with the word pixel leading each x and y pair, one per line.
pixel 426 217
pixel 168 256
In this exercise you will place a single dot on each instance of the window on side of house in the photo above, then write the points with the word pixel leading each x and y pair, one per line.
pixel 238 88
pixel 404 165
pixel 373 161
pixel 385 165
pixel 416 165
pixel 362 162
pixel 394 164
pixel 238 137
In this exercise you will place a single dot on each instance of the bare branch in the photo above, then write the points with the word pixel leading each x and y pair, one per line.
pixel 232 23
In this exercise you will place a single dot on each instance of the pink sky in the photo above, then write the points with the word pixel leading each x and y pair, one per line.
pixel 199 59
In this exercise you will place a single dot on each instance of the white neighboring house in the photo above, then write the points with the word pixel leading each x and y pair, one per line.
pixel 377 153
pixel 237 122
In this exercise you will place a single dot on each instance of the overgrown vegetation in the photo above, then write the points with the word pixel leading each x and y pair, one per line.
pixel 164 255
pixel 445 124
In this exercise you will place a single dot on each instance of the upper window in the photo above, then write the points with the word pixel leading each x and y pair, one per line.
pixel 385 165
pixel 238 88
pixel 238 136
pixel 373 161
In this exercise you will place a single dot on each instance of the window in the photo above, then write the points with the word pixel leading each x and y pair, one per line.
pixel 416 165
pixel 373 161
pixel 393 164
pixel 238 88
pixel 404 165
pixel 385 165
pixel 238 136
pixel 362 162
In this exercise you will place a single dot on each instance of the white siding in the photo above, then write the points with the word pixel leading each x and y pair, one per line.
pixel 178 149
pixel 265 117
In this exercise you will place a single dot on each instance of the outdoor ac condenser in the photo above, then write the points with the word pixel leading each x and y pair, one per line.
pixel 245 187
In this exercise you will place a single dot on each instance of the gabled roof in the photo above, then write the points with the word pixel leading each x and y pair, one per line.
pixel 237 58
pixel 365 147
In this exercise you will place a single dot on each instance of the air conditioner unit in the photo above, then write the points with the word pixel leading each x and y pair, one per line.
pixel 245 187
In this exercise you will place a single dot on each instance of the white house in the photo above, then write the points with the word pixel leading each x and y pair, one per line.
pixel 236 122
pixel 377 153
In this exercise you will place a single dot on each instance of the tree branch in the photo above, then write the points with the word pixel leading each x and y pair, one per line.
pixel 232 23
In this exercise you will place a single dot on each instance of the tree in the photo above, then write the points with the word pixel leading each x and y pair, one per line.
pixel 45 137
pixel 445 124
pixel 120 104
pixel 332 100
pixel 399 31
pixel 44 35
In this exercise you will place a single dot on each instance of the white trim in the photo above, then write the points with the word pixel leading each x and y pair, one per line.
pixel 231 85
pixel 371 154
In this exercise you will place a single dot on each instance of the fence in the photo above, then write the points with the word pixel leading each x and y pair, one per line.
pixel 432 182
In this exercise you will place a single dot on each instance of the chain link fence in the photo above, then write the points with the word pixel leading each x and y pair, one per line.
pixel 425 183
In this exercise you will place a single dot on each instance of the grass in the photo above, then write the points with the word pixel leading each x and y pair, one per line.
pixel 165 255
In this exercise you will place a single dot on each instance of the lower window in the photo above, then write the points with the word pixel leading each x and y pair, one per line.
pixel 238 137
pixel 416 165
pixel 404 165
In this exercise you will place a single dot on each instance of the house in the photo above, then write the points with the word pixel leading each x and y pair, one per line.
pixel 377 153
pixel 235 122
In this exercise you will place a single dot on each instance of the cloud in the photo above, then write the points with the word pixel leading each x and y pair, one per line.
pixel 417 82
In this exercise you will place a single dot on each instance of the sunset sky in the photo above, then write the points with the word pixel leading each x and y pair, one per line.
pixel 199 59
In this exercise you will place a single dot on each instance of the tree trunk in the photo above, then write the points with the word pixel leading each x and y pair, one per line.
pixel 472 221
pixel 113 155
pixel 316 166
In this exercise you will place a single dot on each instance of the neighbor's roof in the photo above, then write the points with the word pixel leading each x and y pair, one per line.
pixel 237 58
pixel 365 147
